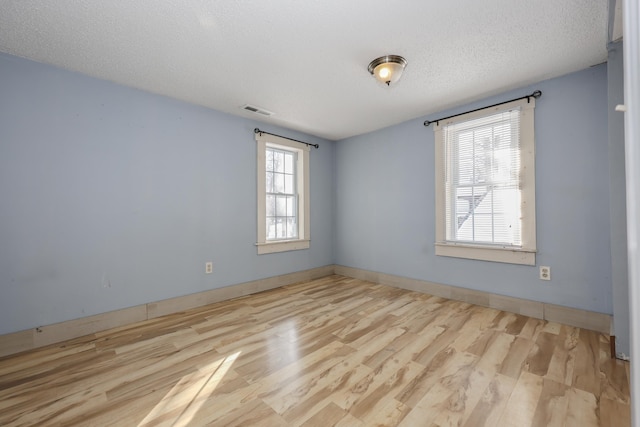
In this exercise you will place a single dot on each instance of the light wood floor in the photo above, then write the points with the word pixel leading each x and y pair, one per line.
pixel 334 351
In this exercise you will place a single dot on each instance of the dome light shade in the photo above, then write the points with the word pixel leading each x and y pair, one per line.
pixel 387 69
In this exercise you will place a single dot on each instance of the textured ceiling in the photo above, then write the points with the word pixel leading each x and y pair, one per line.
pixel 306 61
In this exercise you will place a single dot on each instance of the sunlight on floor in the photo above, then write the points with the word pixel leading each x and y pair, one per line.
pixel 184 400
pixel 285 342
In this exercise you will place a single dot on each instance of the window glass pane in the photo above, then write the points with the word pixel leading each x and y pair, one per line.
pixel 288 184
pixel 292 228
pixel 291 206
pixel 288 162
pixel 502 136
pixel 269 182
pixel 278 183
pixel 465 171
pixel 271 205
pixel 278 159
pixel 280 228
pixel 507 215
pixel 482 200
pixel 482 227
pixel 465 230
pixel 281 205
pixel 463 204
pixel 269 158
pixel 271 228
pixel 502 230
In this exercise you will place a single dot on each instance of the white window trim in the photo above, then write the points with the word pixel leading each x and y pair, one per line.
pixel 304 236
pixel 526 254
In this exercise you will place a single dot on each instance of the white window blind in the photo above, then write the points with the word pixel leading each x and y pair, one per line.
pixel 482 179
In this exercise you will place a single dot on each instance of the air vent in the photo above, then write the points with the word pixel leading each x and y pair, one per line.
pixel 257 110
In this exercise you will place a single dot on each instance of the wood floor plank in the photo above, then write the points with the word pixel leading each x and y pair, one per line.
pixel 296 403
pixel 406 340
pixel 514 360
pixel 254 413
pixel 495 352
pixel 388 413
pixel 33 362
pixel 413 392
pixel 510 323
pixel 464 398
pixel 492 403
pixel 538 359
pixel 302 407
pixel 454 374
pixel 334 351
pixel 586 371
pixel 552 406
pixel 523 401
pixel 441 342
pixel 479 322
pixel 533 327
pixel 614 381
pixel 563 358
pixel 350 421
pixel 613 413
pixel 392 375
pixel 301 373
pixel 367 408
pixel 582 409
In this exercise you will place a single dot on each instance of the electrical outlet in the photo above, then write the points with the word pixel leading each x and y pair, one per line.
pixel 208 267
pixel 545 273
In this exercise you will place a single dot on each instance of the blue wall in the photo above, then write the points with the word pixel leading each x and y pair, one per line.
pixel 112 197
pixel 385 201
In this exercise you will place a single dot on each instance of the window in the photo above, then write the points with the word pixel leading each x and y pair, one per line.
pixel 283 194
pixel 485 184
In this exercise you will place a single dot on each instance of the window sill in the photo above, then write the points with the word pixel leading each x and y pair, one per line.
pixel 484 253
pixel 282 246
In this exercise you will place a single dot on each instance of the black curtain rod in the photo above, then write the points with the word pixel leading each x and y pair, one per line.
pixel 536 94
pixel 256 130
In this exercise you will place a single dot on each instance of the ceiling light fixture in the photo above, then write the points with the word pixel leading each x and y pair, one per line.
pixel 387 69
